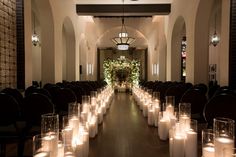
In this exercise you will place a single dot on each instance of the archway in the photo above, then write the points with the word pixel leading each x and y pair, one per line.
pixel 45 18
pixel 36 49
pixel 179 31
pixel 200 58
pixel 68 53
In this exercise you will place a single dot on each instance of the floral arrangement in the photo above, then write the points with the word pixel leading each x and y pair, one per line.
pixel 115 68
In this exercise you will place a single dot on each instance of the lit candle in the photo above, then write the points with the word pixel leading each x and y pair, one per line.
pixel 156 115
pixel 222 143
pixel 191 144
pixel 79 150
pixel 150 117
pixel 163 129
pixel 178 146
pixel 145 109
pixel 60 149
pixel 67 135
pixel 92 129
pixel 86 143
pixel 50 144
pixel 74 124
pixel 184 122
pixel 208 151
pixel 170 110
pixel 100 116
pixel 171 142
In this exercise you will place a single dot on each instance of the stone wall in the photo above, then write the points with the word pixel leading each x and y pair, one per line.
pixel 8 55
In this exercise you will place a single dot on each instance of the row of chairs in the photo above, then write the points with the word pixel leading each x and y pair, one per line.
pixel 205 107
pixel 20 117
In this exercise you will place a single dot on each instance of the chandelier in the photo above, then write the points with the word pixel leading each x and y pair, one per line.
pixel 123 40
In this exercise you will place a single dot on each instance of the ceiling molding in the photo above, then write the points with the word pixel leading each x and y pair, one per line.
pixel 117 10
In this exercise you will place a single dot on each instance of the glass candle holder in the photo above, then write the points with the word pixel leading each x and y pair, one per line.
pixel 185 109
pixel 93 94
pixel 50 123
pixel 156 95
pixel 39 147
pixel 208 138
pixel 191 140
pixel 73 109
pixel 44 143
pixel 170 100
pixel 224 135
pixel 85 99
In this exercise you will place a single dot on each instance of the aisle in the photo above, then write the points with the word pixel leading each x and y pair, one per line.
pixel 125 133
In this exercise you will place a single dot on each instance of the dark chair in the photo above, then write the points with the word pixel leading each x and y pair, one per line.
pixel 10 113
pixel 197 100
pixel 14 93
pixel 33 89
pixel 62 98
pixel 202 87
pixel 221 105
pixel 34 105
pixel 176 91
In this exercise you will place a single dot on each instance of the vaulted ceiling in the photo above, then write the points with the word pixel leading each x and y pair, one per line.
pixel 140 16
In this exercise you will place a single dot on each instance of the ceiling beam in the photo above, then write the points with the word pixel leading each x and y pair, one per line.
pixel 117 10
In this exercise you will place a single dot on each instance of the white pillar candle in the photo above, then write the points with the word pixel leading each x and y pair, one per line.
pixel 42 154
pixel 92 129
pixel 86 143
pixel 60 150
pixel 163 129
pixel 100 116
pixel 79 152
pixel 178 146
pixel 50 144
pixel 184 122
pixel 170 110
pixel 145 110
pixel 67 135
pixel 222 143
pixel 156 115
pixel 208 151
pixel 74 124
pixel 191 144
pixel 171 142
pixel 150 117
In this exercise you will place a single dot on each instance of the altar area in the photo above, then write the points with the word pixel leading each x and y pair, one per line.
pixel 121 73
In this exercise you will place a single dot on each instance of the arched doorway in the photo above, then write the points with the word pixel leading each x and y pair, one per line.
pixel 177 60
pixel 68 53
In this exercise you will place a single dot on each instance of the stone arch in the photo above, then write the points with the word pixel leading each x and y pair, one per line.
pixel 46 20
pixel 199 68
pixel 68 53
pixel 179 30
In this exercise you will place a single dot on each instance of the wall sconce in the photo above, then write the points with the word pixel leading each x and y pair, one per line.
pixel 155 69
pixel 89 69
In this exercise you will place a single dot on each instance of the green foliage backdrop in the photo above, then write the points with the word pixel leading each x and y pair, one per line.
pixel 111 67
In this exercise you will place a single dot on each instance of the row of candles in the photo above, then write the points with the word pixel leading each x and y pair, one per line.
pixel 78 127
pixel 181 130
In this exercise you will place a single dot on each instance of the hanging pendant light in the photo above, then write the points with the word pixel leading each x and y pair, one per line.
pixel 123 40
pixel 215 39
pixel 34 38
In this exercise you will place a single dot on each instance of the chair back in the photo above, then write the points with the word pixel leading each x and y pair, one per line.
pixel 221 105
pixel 10 111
